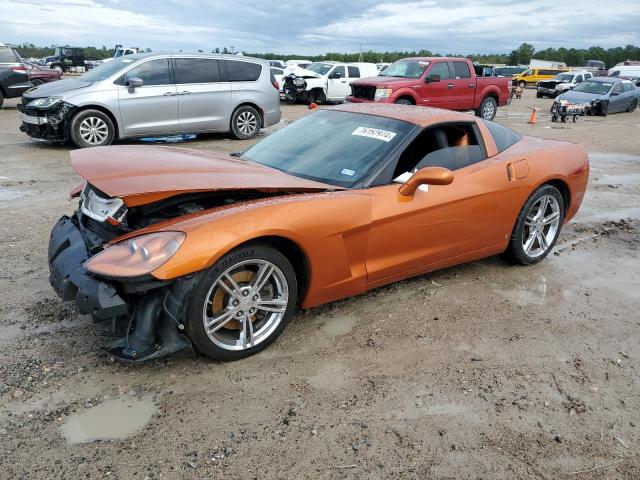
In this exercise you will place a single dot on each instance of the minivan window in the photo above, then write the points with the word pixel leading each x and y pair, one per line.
pixel 197 70
pixel 354 72
pixel 461 70
pixel 7 55
pixel 153 72
pixel 238 71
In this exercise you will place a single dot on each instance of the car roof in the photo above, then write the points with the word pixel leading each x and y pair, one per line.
pixel 138 56
pixel 605 79
pixel 422 116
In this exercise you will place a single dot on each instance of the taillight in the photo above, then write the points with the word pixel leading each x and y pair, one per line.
pixel 276 85
pixel 20 69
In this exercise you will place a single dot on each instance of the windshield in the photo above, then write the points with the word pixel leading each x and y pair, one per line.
pixel 405 69
pixel 321 68
pixel 563 77
pixel 105 70
pixel 118 53
pixel 599 88
pixel 333 147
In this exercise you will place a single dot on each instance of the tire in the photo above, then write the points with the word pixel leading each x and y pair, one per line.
pixel 57 68
pixel 604 108
pixel 529 223
pixel 403 101
pixel 633 105
pixel 36 82
pixel 488 109
pixel 1 98
pixel 245 122
pixel 210 301
pixel 91 128
pixel 539 95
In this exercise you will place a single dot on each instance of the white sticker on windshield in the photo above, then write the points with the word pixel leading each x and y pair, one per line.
pixel 348 171
pixel 376 133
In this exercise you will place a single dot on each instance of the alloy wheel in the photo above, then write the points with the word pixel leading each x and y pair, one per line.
pixel 245 304
pixel 93 130
pixel 488 110
pixel 541 226
pixel 247 123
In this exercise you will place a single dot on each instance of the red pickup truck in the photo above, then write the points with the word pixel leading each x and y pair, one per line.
pixel 441 82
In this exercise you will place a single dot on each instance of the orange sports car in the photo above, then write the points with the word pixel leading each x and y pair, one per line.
pixel 183 249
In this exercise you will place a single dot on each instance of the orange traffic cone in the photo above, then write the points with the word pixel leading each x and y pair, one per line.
pixel 533 119
pixel 313 106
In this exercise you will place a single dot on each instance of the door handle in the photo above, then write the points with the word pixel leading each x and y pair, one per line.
pixel 471 85
pixel 169 94
pixel 184 92
pixel 450 86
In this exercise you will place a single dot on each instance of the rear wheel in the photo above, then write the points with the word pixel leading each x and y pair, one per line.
pixel 245 122
pixel 242 303
pixel 633 106
pixel 537 226
pixel 488 108
pixel 91 128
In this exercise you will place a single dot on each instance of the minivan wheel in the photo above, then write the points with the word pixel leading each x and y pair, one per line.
pixel 91 128
pixel 242 303
pixel 245 122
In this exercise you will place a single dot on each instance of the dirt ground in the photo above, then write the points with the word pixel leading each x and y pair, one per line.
pixel 483 371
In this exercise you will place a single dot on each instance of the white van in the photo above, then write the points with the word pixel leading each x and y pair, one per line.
pixel 632 71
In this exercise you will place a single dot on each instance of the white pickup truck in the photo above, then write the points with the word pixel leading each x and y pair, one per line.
pixel 325 81
pixel 121 51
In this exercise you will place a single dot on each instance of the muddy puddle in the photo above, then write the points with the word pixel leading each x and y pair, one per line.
pixel 535 291
pixel 114 419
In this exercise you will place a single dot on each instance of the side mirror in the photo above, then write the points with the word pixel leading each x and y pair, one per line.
pixel 134 82
pixel 432 78
pixel 426 176
pixel 336 75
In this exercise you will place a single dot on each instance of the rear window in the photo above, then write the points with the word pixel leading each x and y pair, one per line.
pixel 7 55
pixel 461 70
pixel 238 71
pixel 197 70
pixel 503 136
pixel 354 72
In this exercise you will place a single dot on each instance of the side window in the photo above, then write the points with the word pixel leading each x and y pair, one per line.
pixel 339 70
pixel 578 79
pixel 197 70
pixel 354 72
pixel 441 69
pixel 617 88
pixel 627 86
pixel 154 72
pixel 588 75
pixel 239 71
pixel 461 70
pixel 503 136
pixel 452 146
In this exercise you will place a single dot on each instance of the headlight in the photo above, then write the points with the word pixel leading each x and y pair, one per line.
pixel 298 81
pixel 382 93
pixel 44 102
pixel 136 256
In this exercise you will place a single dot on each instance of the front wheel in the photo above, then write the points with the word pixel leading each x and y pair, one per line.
pixel 488 108
pixel 539 95
pixel 91 128
pixel 242 303
pixel 403 101
pixel 633 105
pixel 245 123
pixel 537 226
pixel 57 68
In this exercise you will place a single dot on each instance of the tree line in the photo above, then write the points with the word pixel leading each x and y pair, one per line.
pixel 520 56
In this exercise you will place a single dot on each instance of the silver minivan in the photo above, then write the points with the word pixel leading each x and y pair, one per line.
pixel 150 94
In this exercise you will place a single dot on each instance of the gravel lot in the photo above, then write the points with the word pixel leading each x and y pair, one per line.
pixel 483 371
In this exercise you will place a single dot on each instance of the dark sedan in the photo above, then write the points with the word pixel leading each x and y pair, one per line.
pixel 605 95
pixel 39 75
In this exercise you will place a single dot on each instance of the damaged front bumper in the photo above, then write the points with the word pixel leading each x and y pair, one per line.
pixel 47 124
pixel 146 313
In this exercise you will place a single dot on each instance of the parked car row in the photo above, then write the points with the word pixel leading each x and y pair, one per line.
pixel 18 76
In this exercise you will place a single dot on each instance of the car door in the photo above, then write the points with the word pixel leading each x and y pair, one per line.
pixel 464 86
pixel 204 99
pixel 337 83
pixel 436 93
pixel 153 107
pixel 470 218
pixel 617 101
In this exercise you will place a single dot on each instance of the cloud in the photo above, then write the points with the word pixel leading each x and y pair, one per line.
pixel 286 26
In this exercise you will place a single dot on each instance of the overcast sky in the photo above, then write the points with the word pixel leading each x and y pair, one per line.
pixel 480 26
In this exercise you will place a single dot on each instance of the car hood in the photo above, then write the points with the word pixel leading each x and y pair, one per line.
pixel 381 81
pixel 145 174
pixel 56 88
pixel 579 97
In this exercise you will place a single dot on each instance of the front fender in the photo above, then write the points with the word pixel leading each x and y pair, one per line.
pixel 330 228
pixel 403 92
